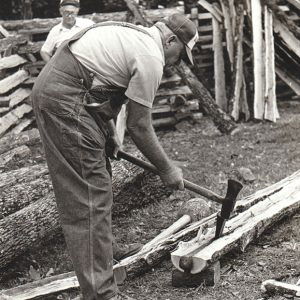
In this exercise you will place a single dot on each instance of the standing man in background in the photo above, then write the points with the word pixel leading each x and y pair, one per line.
pixel 69 26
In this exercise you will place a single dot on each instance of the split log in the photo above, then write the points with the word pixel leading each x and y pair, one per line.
pixel 258 59
pixel 11 41
pixel 12 81
pixel 30 48
pixel 13 117
pixel 219 70
pixel 240 230
pixel 10 141
pixel 38 221
pixel 11 61
pixel 181 90
pixel 271 110
pixel 216 13
pixel 280 288
pixel 221 119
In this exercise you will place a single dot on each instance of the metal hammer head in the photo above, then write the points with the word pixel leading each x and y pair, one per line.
pixel 233 189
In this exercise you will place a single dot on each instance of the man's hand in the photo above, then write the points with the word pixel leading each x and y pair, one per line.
pixel 173 178
pixel 113 145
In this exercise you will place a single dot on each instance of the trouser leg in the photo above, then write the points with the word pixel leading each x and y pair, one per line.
pixel 75 154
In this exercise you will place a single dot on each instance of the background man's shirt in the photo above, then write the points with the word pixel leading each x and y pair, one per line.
pixel 59 34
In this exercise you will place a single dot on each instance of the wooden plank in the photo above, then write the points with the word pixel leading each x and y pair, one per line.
pixel 4 32
pixel 181 90
pixel 295 3
pixel 13 80
pixel 219 68
pixel 13 116
pixel 271 110
pixel 18 96
pixel 292 42
pixel 210 8
pixel 258 59
pixel 293 83
pixel 240 230
pixel 11 61
pixel 25 122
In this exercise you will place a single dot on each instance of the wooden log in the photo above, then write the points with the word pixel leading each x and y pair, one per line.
pixel 30 48
pixel 221 119
pixel 22 187
pixel 275 287
pixel 240 230
pixel 216 13
pixel 11 61
pixel 219 71
pixel 258 59
pixel 9 157
pixel 137 14
pixel 29 138
pixel 12 81
pixel 13 117
pixel 180 90
pixel 209 277
pixel 271 110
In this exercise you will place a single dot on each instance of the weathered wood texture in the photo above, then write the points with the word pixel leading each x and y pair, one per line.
pixel 12 81
pixel 275 287
pixel 220 118
pixel 10 141
pixel 241 229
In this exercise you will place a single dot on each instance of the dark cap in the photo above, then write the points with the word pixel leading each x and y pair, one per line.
pixel 185 30
pixel 69 2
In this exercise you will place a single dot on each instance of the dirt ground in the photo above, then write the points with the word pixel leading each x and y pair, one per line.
pixel 270 150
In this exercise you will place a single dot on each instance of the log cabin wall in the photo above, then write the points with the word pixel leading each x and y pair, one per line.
pixel 226 61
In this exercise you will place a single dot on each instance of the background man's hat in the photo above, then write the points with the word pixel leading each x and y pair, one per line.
pixel 185 30
pixel 69 2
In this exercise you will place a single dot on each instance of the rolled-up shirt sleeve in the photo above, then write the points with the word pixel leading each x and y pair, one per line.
pixel 146 73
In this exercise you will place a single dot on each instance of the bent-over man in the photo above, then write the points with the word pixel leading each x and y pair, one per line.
pixel 75 98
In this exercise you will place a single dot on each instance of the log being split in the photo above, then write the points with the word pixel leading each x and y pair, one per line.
pixel 198 254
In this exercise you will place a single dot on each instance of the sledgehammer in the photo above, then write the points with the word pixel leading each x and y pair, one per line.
pixel 228 203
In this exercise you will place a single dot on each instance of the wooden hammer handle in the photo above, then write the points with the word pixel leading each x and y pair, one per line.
pixel 187 184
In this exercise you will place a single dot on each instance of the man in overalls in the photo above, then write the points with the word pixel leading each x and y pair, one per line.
pixel 75 98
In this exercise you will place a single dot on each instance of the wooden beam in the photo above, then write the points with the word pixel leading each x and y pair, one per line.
pixel 292 42
pixel 271 110
pixel 293 83
pixel 241 229
pixel 11 61
pixel 216 13
pixel 13 117
pixel 258 59
pixel 12 81
pixel 219 69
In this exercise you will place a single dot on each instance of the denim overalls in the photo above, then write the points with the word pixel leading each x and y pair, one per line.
pixel 74 138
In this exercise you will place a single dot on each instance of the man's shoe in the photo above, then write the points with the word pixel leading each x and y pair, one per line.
pixel 121 296
pixel 120 253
